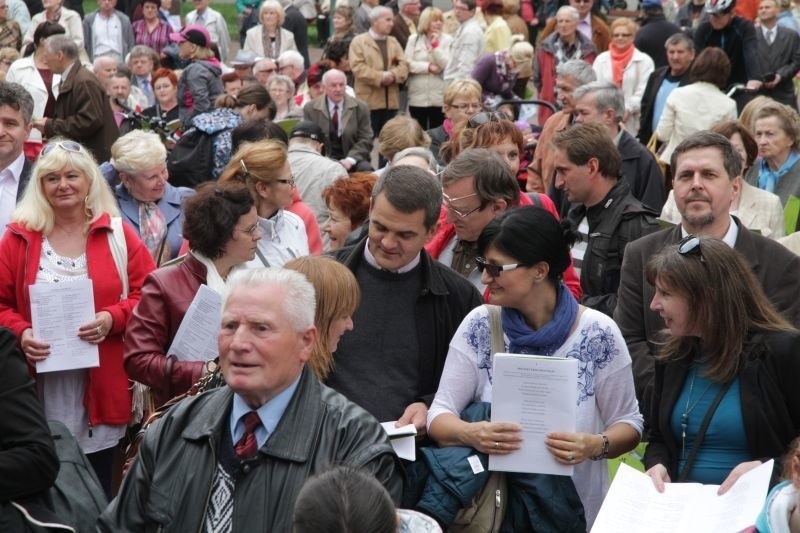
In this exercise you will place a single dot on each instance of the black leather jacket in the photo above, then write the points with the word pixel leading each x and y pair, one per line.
pixel 168 487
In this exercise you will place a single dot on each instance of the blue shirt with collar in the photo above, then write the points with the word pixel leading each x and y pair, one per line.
pixel 270 414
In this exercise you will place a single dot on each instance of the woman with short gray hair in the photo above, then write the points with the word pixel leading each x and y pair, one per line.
pixel 281 90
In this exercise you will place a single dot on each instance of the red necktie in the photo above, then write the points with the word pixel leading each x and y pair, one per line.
pixel 335 120
pixel 247 445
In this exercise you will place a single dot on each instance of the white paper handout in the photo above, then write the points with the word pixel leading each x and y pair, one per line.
pixel 633 505
pixel 58 310
pixel 402 440
pixel 196 339
pixel 540 394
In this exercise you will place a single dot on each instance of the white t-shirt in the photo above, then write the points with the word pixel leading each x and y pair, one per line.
pixel 606 394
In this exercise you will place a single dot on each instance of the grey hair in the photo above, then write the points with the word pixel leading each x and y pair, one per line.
pixel 409 189
pixel 402 3
pixel 17 98
pixel 137 151
pixel 291 57
pixel 607 96
pixel 577 69
pixel 679 38
pixel 568 10
pixel 64 44
pixel 332 72
pixel 491 175
pixel 416 151
pixel 378 12
pixel 99 60
pixel 299 300
pixel 141 50
pixel 280 78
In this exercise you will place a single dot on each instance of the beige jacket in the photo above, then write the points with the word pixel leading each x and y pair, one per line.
pixel 367 66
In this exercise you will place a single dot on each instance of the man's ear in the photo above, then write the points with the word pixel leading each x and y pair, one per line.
pixel 431 233
pixel 308 339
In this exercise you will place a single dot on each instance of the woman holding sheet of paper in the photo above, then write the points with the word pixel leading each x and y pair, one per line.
pixel 731 365
pixel 221 226
pixel 522 257
pixel 62 232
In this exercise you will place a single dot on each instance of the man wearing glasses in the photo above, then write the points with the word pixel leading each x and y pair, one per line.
pixel 411 305
pixel 591 26
pixel 707 176
pixel 737 38
pixel 263 69
pixel 467 45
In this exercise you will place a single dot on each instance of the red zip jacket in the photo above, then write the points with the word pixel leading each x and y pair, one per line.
pixel 107 398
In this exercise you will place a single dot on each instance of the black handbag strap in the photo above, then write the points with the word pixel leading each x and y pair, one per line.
pixel 701 433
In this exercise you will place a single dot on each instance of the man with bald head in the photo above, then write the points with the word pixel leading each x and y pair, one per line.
pixel 345 122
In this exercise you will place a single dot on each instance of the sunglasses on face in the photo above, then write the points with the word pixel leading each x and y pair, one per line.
pixel 288 181
pixel 494 270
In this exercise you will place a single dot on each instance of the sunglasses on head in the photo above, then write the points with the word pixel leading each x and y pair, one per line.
pixel 485 117
pixel 492 269
pixel 69 146
pixel 690 245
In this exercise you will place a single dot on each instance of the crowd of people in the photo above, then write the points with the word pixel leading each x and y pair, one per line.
pixel 278 254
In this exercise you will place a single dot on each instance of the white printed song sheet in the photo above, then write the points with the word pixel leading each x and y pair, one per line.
pixel 196 339
pixel 541 395
pixel 402 440
pixel 633 505
pixel 58 310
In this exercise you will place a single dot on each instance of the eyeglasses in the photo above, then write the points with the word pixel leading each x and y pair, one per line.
pixel 248 174
pixel 251 231
pixel 447 201
pixel 267 70
pixel 621 35
pixel 69 146
pixel 485 117
pixel 492 269
pixel 474 106
pixel 690 245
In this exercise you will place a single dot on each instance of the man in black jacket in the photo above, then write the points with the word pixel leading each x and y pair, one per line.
pixel 737 38
pixel 235 458
pixel 411 305
pixel 607 215
pixel 680 55
pixel 603 103
pixel 779 54
pixel 654 32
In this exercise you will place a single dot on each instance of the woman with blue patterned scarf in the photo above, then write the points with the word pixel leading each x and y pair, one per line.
pixel 522 257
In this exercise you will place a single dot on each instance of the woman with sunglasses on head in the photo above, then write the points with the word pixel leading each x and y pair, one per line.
pixel 221 226
pixel 264 167
pixel 522 256
pixel 62 232
pixel 725 387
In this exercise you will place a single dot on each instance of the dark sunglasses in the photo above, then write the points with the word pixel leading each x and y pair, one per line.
pixel 690 245
pixel 485 117
pixel 494 270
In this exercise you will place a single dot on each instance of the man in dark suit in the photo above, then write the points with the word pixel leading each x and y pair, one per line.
pixel 345 121
pixel 707 172
pixel 680 55
pixel 16 109
pixel 83 112
pixel 778 53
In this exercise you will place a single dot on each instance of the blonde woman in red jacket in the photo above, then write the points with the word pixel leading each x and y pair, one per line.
pixel 61 232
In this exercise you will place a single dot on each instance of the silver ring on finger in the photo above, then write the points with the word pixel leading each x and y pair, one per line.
pixel 496 445
pixel 99 330
pixel 570 458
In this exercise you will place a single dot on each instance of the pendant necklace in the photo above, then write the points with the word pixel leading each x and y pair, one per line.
pixel 688 409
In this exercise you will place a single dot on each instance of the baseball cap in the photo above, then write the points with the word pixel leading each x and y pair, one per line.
pixel 195 34
pixel 309 130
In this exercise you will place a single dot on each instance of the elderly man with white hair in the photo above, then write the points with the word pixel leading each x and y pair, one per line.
pixel 345 122
pixel 235 458
pixel 379 66
pixel 292 64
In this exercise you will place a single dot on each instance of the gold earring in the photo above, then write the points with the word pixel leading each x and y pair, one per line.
pixel 86 209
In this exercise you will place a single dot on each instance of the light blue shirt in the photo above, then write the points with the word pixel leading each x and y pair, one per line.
pixel 270 414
